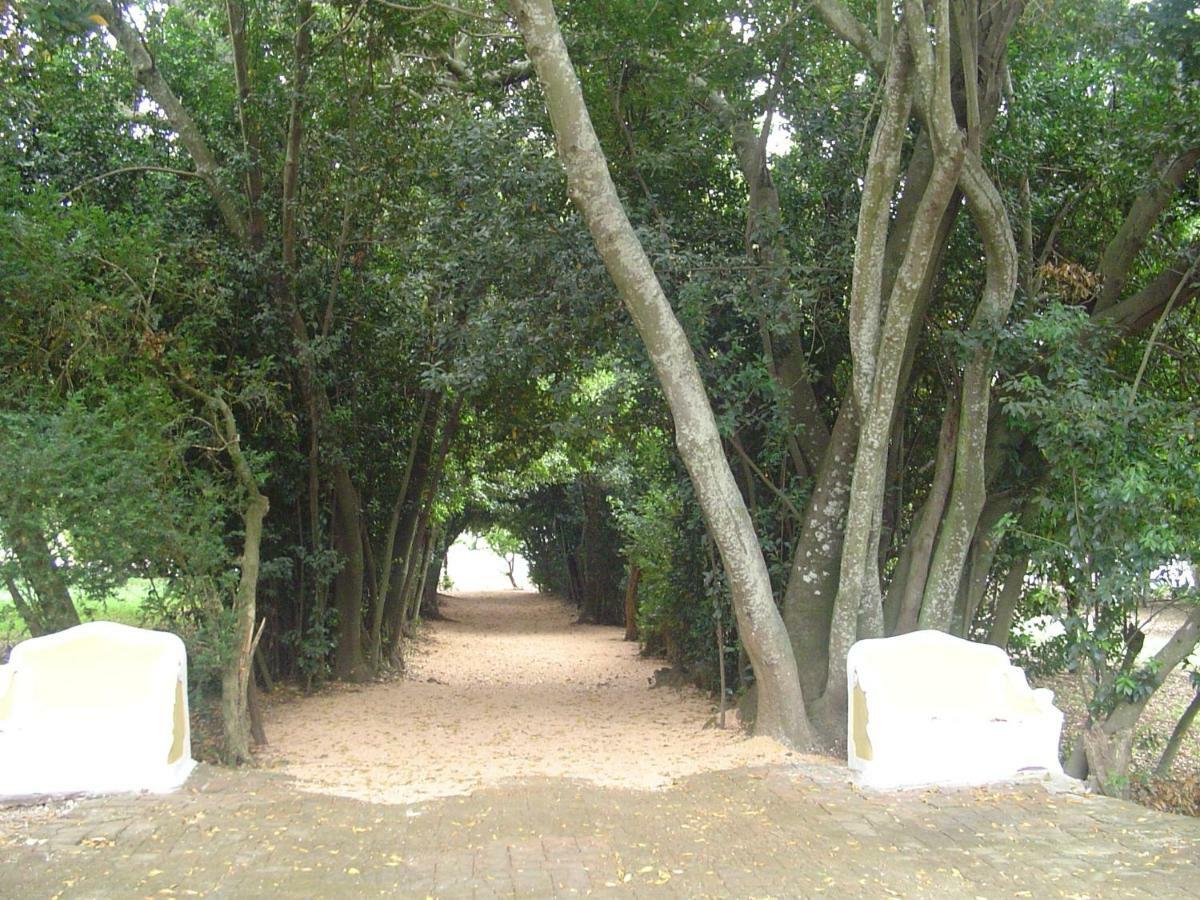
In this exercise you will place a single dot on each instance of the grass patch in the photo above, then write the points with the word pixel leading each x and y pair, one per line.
pixel 124 605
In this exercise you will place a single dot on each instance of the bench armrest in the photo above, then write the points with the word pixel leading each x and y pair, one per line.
pixel 6 692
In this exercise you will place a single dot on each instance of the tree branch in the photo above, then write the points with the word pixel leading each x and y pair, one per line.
pixel 1159 323
pixel 842 23
pixel 1135 313
pixel 1122 250
pixel 741 451
pixel 146 73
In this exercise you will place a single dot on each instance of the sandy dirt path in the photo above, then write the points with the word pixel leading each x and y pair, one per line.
pixel 507 687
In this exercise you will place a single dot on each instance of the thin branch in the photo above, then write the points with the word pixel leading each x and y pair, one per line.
pixel 1137 381
pixel 146 74
pixel 618 96
pixel 123 272
pixel 741 451
pixel 182 173
pixel 442 7
pixel 1059 217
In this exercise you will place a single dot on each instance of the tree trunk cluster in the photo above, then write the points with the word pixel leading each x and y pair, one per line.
pixel 942 69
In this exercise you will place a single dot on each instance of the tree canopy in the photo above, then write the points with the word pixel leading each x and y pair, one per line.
pixel 825 321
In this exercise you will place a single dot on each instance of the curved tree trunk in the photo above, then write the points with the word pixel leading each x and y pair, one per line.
pixel 781 704
pixel 880 334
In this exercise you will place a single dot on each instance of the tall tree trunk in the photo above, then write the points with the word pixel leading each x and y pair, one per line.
pixel 411 571
pixel 423 583
pixel 813 582
pixel 1006 602
pixel 422 454
pixel 631 589
pixel 979 562
pixel 349 663
pixel 969 489
pixel 781 710
pixel 430 607
pixel 237 670
pixel 236 12
pixel 909 586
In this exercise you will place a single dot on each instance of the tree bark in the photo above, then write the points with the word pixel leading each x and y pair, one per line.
pixel 1118 258
pixel 979 563
pixel 375 637
pixel 422 451
pixel 910 585
pixel 146 73
pixel 25 610
pixel 236 12
pixel 237 670
pixel 411 574
pixel 289 206
pixel 969 489
pixel 781 710
pixel 430 606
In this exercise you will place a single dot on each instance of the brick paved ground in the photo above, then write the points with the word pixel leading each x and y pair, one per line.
pixel 779 832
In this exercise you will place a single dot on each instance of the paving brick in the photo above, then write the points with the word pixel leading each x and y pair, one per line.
pixel 782 832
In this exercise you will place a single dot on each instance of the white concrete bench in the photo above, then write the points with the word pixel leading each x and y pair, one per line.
pixel 98 708
pixel 927 708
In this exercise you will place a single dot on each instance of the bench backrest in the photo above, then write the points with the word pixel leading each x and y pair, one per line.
pixel 937 671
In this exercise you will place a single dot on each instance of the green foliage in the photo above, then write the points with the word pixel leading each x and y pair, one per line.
pixel 1118 503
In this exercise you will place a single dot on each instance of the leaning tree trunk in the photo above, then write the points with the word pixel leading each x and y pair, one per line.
pixel 388 560
pixel 236 678
pixel 1163 769
pixel 781 704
